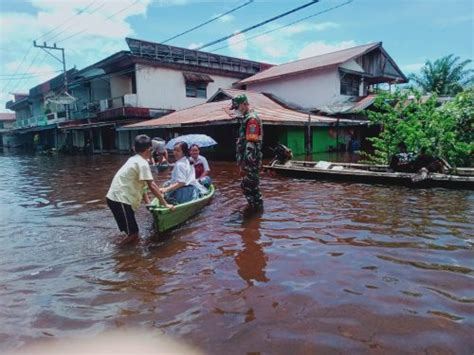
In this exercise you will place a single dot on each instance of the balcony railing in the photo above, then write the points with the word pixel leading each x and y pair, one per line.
pixel 40 120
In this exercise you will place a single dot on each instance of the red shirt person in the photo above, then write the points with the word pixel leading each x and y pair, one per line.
pixel 201 166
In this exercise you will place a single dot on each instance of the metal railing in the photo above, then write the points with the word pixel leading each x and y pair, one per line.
pixel 40 120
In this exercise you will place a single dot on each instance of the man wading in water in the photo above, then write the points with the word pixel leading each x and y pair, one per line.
pixel 128 187
pixel 249 150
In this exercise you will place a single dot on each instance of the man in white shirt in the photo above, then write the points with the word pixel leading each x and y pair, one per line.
pixel 128 187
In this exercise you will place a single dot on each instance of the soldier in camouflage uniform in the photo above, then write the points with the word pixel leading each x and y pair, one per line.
pixel 249 150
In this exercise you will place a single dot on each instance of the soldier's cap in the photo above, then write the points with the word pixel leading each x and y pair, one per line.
pixel 236 101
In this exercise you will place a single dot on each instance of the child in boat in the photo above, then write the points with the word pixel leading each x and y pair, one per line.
pixel 201 166
pixel 183 186
pixel 127 189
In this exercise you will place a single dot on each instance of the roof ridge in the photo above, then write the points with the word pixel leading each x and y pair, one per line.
pixel 320 55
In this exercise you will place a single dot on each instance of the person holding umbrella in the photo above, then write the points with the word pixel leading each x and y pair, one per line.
pixel 249 150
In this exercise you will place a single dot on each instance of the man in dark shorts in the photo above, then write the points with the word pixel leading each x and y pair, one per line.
pixel 128 188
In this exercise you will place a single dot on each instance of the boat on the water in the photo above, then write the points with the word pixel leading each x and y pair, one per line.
pixel 460 178
pixel 166 219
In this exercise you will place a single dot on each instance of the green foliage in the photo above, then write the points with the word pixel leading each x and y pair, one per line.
pixel 445 76
pixel 445 131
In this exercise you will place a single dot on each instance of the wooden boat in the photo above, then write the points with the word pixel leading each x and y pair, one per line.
pixel 463 178
pixel 166 219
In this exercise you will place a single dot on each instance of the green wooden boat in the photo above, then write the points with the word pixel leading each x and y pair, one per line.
pixel 166 219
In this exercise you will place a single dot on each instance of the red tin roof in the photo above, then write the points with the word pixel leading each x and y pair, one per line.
pixel 312 63
pixel 213 112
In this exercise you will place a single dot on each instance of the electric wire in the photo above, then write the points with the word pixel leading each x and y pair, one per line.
pixel 283 26
pixel 207 22
pixel 258 24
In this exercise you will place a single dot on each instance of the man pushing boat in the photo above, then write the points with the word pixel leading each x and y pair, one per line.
pixel 128 188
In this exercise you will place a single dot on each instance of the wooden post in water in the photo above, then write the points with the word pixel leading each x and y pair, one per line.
pixel 308 135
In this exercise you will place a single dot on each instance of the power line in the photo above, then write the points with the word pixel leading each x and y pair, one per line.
pixel 72 24
pixel 26 75
pixel 208 21
pixel 31 64
pixel 257 25
pixel 31 47
pixel 17 68
pixel 68 19
pixel 107 18
pixel 287 25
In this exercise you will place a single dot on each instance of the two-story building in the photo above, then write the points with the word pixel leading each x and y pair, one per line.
pixel 147 81
pixel 317 98
pixel 338 84
pixel 7 124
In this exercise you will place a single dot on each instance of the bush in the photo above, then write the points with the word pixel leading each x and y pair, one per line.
pixel 445 131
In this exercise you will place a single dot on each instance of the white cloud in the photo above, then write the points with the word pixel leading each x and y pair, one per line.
pixel 97 32
pixel 238 44
pixel 195 45
pixel 284 44
pixel 307 27
pixel 226 18
pixel 411 68
pixel 321 47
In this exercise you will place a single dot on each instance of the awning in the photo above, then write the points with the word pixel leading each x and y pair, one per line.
pixel 88 125
pixel 197 77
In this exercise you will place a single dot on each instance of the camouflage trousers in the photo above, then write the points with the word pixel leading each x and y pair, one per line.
pixel 251 188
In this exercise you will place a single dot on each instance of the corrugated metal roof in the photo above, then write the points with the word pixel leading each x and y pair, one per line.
pixel 349 105
pixel 268 110
pixel 5 116
pixel 197 77
pixel 312 63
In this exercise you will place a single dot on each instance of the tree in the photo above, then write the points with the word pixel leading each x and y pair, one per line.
pixel 445 131
pixel 446 76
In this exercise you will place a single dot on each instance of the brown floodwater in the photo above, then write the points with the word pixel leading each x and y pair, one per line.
pixel 327 267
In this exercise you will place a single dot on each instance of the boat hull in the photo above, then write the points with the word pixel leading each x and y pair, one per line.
pixel 166 219
pixel 362 174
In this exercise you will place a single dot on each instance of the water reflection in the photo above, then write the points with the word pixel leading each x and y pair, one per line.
pixel 316 272
pixel 251 260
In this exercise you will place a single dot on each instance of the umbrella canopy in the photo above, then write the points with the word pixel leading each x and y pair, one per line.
pixel 201 140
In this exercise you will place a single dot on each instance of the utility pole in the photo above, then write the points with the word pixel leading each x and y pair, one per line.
pixel 45 47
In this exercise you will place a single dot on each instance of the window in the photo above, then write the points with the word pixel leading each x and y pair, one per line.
pixel 196 89
pixel 350 84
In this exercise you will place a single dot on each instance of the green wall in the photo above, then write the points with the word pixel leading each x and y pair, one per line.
pixel 293 138
pixel 322 140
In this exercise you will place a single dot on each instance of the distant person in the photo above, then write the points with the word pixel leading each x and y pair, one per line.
pixel 160 154
pixel 183 186
pixel 403 160
pixel 128 188
pixel 431 163
pixel 353 145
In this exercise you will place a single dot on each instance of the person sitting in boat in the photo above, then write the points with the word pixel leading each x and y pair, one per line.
pixel 282 154
pixel 183 186
pixel 403 160
pixel 201 166
pixel 159 157
pixel 431 163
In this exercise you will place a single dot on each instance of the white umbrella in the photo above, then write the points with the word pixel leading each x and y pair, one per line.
pixel 201 140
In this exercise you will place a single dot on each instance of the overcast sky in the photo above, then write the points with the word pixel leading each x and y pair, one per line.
pixel 411 31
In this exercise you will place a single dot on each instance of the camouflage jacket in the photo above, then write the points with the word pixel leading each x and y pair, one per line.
pixel 249 143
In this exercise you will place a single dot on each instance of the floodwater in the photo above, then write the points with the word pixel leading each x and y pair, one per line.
pixel 327 267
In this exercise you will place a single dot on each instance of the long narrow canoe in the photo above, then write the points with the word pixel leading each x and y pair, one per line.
pixel 376 174
pixel 166 219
